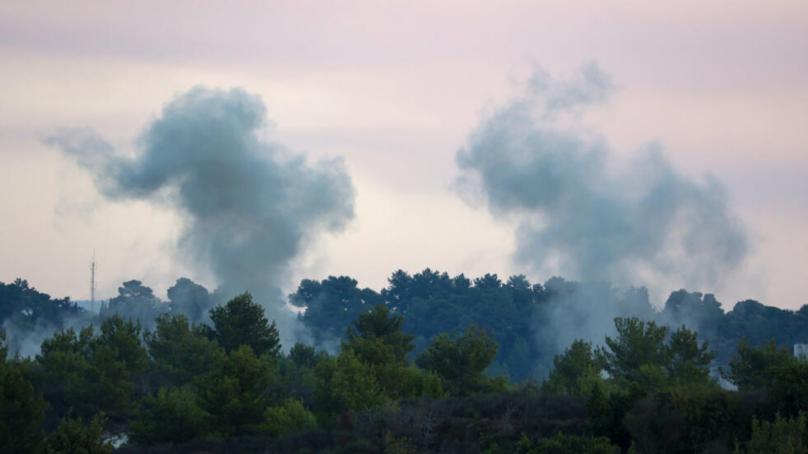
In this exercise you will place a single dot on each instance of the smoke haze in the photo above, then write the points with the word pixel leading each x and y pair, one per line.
pixel 584 213
pixel 248 206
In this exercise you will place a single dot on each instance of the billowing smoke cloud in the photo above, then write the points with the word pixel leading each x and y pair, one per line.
pixel 249 207
pixel 583 212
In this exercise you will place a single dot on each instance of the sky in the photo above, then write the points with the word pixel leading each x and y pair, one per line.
pixel 395 88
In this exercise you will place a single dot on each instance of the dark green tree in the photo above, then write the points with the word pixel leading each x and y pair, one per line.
pixel 346 383
pixel 376 337
pixel 242 322
pixel 332 305
pixel 74 436
pixel 638 355
pixel 576 371
pixel 21 407
pixel 461 361
pixel 171 415
pixel 237 393
pixel 135 302
pixel 688 362
pixel 190 299
pixel 756 367
pixel 181 352
pixel 290 417
pixel 89 373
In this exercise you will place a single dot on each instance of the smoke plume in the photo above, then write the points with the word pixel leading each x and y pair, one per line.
pixel 586 214
pixel 249 207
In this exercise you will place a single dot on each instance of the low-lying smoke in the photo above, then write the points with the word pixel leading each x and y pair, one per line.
pixel 582 212
pixel 249 207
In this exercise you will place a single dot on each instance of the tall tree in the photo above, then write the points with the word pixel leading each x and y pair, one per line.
pixel 190 299
pixel 377 337
pixel 461 361
pixel 242 322
pixel 21 407
pixel 638 354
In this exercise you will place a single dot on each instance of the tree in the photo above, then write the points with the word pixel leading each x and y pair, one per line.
pixel 332 305
pixel 461 361
pixel 21 408
pixel 638 354
pixel 346 383
pixel 755 368
pixel 242 322
pixel 566 444
pixel 289 418
pixel 171 415
pixel 788 393
pixel 376 337
pixel 237 393
pixel 135 302
pixel 297 372
pixel 117 358
pixel 88 373
pixel 688 418
pixel 182 353
pixel 576 371
pixel 74 436
pixel 781 436
pixel 688 362
pixel 190 299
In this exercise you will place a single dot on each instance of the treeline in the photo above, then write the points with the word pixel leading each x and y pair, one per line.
pixel 530 322
pixel 227 386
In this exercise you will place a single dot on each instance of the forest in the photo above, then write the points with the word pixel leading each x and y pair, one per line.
pixel 431 363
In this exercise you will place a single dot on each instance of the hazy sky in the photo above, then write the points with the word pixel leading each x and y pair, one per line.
pixel 394 88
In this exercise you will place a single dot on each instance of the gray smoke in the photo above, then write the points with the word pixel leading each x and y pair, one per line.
pixel 583 212
pixel 249 207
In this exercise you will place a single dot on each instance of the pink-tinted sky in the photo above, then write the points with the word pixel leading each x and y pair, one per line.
pixel 394 88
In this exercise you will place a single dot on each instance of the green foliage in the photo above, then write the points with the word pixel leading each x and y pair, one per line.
pixel 693 418
pixel 346 383
pixel 781 436
pixel 566 444
pixel 640 356
pixel 755 368
pixel 190 299
pixel 238 392
pixel 242 322
pixel 72 436
pixel 228 387
pixel 296 372
pixel 26 310
pixel 89 373
pixel 332 305
pixel 172 415
pixel 21 408
pixel 181 352
pixel 377 337
pixel 774 371
pixel 637 355
pixel 687 361
pixel 135 302
pixel 303 355
pixel 289 418
pixel 576 372
pixel 788 393
pixel 461 361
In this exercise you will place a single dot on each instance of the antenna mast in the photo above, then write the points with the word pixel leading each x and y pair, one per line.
pixel 92 283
